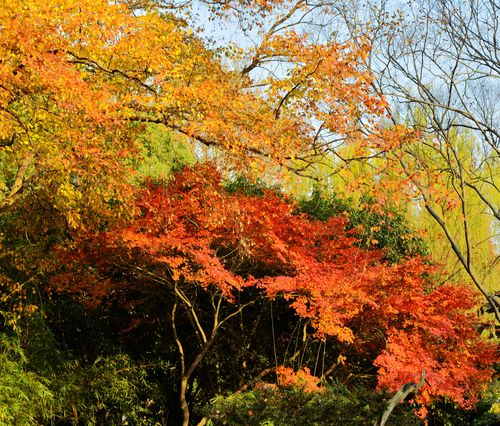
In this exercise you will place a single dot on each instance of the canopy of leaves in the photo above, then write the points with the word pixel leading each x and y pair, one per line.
pixel 94 97
pixel 76 75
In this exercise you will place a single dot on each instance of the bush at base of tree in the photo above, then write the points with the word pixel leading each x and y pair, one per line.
pixel 292 406
pixel 268 405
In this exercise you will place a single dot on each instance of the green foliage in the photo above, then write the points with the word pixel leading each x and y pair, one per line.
pixel 384 228
pixel 104 392
pixel 25 397
pixel 268 405
pixel 243 185
pixel 161 154
pixel 272 406
pixel 43 383
pixel 93 379
pixel 323 207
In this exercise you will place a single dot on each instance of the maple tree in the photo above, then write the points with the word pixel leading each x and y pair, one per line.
pixel 193 236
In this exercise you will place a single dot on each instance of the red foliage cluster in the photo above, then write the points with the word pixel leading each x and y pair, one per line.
pixel 195 233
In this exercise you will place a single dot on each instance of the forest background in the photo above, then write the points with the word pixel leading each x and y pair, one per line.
pixel 283 228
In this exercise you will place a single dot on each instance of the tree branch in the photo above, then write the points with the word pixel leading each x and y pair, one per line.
pixel 399 397
pixel 18 182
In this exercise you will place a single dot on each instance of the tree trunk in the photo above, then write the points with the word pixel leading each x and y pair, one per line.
pixel 184 404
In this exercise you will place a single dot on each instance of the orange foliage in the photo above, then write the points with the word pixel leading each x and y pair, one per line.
pixel 302 379
pixel 75 74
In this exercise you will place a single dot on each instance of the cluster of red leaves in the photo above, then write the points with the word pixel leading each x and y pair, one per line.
pixel 195 233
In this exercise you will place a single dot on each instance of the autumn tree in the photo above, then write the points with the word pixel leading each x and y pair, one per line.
pixel 76 77
pixel 211 255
